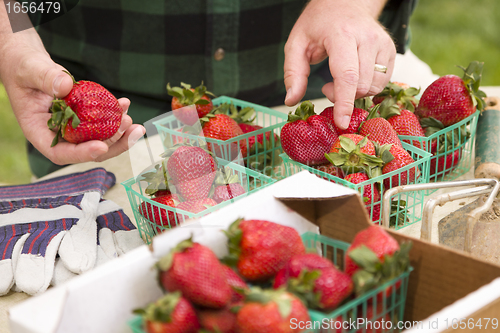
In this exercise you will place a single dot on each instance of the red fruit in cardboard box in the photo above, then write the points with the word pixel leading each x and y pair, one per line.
pixel 259 248
pixel 170 314
pixel 374 258
pixel 307 136
pixel 271 311
pixel 194 270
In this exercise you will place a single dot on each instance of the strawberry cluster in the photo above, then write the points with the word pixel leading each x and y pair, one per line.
pixel 189 180
pixel 268 279
pixel 371 146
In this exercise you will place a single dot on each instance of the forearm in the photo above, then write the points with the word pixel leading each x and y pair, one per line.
pixel 11 43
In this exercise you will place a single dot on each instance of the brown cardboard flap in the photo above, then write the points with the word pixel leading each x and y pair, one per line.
pixel 441 276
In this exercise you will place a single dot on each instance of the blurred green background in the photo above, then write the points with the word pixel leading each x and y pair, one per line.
pixel 445 33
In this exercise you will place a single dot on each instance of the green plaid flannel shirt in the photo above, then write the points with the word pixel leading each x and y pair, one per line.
pixel 134 48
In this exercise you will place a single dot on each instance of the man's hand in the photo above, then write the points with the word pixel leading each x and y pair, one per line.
pixel 31 80
pixel 349 34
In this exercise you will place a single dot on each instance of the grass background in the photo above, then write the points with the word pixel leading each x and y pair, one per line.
pixel 445 33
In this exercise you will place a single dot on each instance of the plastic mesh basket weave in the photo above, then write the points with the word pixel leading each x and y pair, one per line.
pixel 263 158
pixel 406 208
pixel 251 180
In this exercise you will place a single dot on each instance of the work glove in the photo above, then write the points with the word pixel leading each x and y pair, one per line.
pixel 42 220
pixel 116 235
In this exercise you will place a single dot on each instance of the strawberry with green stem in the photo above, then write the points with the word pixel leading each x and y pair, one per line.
pixel 451 99
pixel 354 153
pixel 183 99
pixel 221 127
pixel 307 136
pixel 374 258
pixel 401 94
pixel 270 311
pixel 194 270
pixel 88 112
pixel 315 280
pixel 259 248
pixel 401 158
pixel 191 171
pixel 195 207
pixel 170 314
pixel 377 128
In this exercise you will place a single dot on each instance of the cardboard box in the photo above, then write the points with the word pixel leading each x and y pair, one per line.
pixel 102 300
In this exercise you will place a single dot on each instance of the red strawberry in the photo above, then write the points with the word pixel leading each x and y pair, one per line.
pixel 357 117
pixel 407 123
pixel 311 274
pixel 183 100
pixel 402 94
pixel 88 112
pixel 247 128
pixel 191 171
pixel 446 148
pixel 194 270
pixel 370 194
pixel 259 249
pixel 194 207
pixel 217 321
pixel 451 99
pixel 354 153
pixel 158 215
pixel 227 186
pixel 221 127
pixel 170 314
pixel 298 263
pixel 330 169
pixel 378 129
pixel 401 159
pixel 307 136
pixel 271 311
pixel 374 258
pixel 236 282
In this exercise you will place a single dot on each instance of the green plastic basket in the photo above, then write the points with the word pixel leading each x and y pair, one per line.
pixel 406 208
pixel 387 306
pixel 448 163
pixel 263 158
pixel 251 180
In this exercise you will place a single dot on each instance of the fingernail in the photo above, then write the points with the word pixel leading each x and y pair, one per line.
pixel 121 130
pixel 288 94
pixel 344 122
pixel 56 84
pixel 135 136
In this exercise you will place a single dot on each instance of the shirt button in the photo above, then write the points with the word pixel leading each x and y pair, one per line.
pixel 219 54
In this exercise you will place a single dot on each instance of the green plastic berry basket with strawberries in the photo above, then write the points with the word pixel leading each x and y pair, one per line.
pixel 452 149
pixel 406 208
pixel 260 148
pixel 373 306
pixel 153 217
pixel 385 302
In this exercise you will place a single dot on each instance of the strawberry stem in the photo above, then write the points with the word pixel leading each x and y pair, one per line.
pixel 61 115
